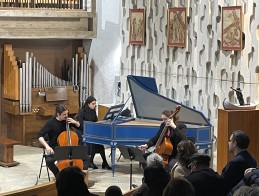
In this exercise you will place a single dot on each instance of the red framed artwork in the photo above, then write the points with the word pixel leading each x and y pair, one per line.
pixel 231 28
pixel 137 26
pixel 176 27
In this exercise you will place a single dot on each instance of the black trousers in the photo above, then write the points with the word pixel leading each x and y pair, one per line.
pixel 96 148
pixel 50 162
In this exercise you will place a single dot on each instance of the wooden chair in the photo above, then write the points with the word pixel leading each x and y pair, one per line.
pixel 37 144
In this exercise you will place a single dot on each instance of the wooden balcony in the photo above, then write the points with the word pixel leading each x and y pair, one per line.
pixel 48 21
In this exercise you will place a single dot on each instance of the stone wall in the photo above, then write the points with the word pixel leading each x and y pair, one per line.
pixel 201 74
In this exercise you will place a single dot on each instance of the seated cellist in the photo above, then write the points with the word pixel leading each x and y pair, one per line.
pixel 53 128
pixel 176 131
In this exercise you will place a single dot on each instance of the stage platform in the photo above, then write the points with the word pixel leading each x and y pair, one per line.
pixel 26 173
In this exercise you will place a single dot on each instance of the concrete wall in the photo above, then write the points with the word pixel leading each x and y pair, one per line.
pixel 199 75
pixel 105 51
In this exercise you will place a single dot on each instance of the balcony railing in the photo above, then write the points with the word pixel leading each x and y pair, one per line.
pixel 48 19
pixel 87 5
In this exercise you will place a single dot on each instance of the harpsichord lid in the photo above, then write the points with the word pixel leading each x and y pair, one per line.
pixel 149 103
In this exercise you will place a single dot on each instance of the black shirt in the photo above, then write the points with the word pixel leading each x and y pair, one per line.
pixel 86 114
pixel 53 128
pixel 206 182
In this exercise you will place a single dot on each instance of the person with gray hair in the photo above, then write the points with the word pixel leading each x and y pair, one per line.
pixel 154 159
pixel 247 191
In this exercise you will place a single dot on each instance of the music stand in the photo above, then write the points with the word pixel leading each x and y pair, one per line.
pixel 70 152
pixel 131 153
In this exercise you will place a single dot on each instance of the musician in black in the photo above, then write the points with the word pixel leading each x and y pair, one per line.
pixel 176 134
pixel 52 129
pixel 88 113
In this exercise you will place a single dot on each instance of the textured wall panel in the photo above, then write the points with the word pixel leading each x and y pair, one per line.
pixel 201 74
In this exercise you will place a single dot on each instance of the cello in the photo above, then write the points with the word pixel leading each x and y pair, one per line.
pixel 68 138
pixel 163 146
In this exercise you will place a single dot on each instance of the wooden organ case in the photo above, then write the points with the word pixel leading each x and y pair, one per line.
pixel 31 93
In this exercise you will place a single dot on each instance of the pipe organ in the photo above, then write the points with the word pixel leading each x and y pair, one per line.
pixel 31 92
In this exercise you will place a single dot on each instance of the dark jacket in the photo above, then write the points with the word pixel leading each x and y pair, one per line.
pixel 156 179
pixel 233 172
pixel 206 182
pixel 250 179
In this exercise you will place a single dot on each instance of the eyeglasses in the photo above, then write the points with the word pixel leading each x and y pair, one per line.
pixel 190 165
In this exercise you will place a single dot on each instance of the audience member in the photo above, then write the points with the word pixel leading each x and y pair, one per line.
pixel 234 170
pixel 113 191
pixel 247 191
pixel 152 159
pixel 251 178
pixel 185 149
pixel 179 186
pixel 70 181
pixel 141 191
pixel 156 178
pixel 204 179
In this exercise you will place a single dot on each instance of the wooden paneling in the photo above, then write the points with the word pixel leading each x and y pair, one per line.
pixel 47 108
pixel 47 24
pixel 45 189
pixel 231 120
pixel 25 127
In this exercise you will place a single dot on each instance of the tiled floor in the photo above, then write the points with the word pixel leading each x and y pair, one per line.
pixel 26 173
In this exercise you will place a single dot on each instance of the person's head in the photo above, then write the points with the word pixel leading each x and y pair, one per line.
pixel 70 181
pixel 252 178
pixel 61 112
pixel 156 177
pixel 247 191
pixel 185 149
pixel 154 159
pixel 113 191
pixel 238 140
pixel 165 115
pixel 199 161
pixel 90 103
pixel 179 186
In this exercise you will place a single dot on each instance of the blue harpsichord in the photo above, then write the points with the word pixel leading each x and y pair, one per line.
pixel 148 105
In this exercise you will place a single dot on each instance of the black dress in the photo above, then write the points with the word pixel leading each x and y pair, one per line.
pixel 88 114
